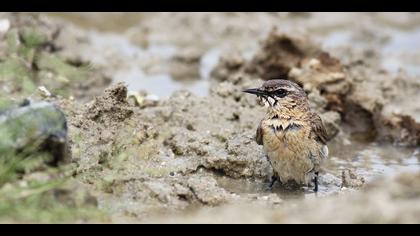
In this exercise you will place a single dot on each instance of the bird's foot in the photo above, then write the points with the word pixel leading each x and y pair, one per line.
pixel 273 181
pixel 316 182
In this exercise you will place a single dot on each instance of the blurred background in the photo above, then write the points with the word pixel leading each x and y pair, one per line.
pixel 162 52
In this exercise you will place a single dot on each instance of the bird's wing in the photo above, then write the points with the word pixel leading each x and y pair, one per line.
pixel 259 136
pixel 317 129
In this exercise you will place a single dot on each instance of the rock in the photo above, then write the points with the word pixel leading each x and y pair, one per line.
pixel 40 126
pixel 207 191
pixel 351 180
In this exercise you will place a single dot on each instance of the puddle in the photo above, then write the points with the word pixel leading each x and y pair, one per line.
pixel 369 161
pixel 400 51
pixel 145 69
pixel 161 85
pixel 374 160
pixel 249 187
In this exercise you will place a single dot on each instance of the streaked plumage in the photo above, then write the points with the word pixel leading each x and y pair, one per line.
pixel 293 136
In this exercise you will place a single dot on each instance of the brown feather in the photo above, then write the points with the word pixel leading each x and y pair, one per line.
pixel 317 129
pixel 259 136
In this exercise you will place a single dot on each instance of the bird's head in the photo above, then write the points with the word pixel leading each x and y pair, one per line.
pixel 279 93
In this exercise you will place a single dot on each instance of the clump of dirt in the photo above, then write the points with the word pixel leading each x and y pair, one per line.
pixel 377 97
pixel 218 146
pixel 325 74
pixel 242 159
pixel 111 107
pixel 229 68
pixel 351 180
pixel 207 191
pixel 278 54
pixel 401 129
pixel 104 121
pixel 185 65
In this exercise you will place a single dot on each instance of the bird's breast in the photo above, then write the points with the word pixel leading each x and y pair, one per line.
pixel 289 148
pixel 283 134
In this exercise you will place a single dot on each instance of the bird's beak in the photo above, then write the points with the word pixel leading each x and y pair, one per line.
pixel 255 91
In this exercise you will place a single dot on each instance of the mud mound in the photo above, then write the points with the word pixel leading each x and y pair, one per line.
pixel 110 107
pixel 325 74
pixel 401 129
pixel 385 103
pixel 195 130
pixel 103 128
pixel 169 156
pixel 278 54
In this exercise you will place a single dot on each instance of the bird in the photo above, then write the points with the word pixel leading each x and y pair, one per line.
pixel 293 136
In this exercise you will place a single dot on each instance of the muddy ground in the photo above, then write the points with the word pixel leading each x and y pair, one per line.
pixel 159 130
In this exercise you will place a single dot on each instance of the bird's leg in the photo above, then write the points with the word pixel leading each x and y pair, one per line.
pixel 316 182
pixel 274 178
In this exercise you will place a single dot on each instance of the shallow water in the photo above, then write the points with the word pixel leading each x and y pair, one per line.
pixel 369 160
pixel 146 68
pixel 373 160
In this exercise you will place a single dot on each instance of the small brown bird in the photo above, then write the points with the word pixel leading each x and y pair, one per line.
pixel 293 136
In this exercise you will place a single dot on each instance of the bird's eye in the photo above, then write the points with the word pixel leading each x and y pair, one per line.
pixel 281 93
